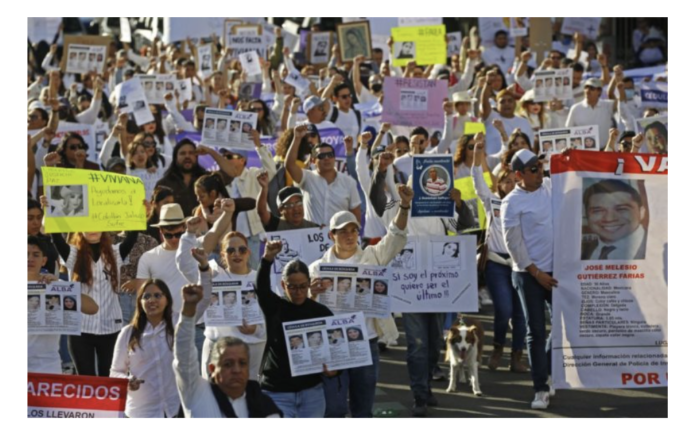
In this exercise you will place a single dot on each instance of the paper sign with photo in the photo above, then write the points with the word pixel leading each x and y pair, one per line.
pixel 124 30
pixel 578 138
pixel 443 279
pixel 205 61
pixel 226 301
pixel 318 47
pixel 228 128
pixel 424 45
pixel 296 80
pixel 585 26
pixel 132 100
pixel 518 26
pixel 185 89
pixel 155 87
pixel 488 27
pixel 249 91
pixel 655 131
pixel 553 84
pixel 433 178
pixel 454 43
pixel 338 342
pixel 413 102
pixel 352 288
pixel 250 61
pixel 54 308
pixel 245 38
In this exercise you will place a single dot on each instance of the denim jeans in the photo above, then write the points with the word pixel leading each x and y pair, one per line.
pixel 506 305
pixel 535 298
pixel 127 301
pixel 309 403
pixel 360 382
pixel 424 338
pixel 254 246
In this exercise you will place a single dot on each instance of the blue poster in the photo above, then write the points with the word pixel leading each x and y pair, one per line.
pixel 654 94
pixel 433 179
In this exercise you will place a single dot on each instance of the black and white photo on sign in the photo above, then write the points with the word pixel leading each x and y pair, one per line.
pixel 68 201
pixel 296 342
pixel 214 300
pixel 454 42
pixel 413 100
pixel 363 286
pixel 496 209
pixel 435 180
pixel 318 47
pixel 287 254
pixel 335 336
pixel 230 298
pixel 53 302
pixel 405 50
pixel 314 339
pixel 381 287
pixel 250 61
pixel 615 219
pixel 406 259
pixel 354 334
pixel 446 254
pixel 33 303
pixel 344 285
pixel 473 205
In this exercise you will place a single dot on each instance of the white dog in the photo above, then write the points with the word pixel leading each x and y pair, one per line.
pixel 464 347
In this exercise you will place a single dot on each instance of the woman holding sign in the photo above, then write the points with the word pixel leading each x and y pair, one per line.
pixel 235 256
pixel 144 349
pixel 506 304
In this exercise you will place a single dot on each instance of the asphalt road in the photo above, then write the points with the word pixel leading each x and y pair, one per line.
pixel 506 394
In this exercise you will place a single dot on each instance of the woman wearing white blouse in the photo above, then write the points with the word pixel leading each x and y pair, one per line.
pixel 144 350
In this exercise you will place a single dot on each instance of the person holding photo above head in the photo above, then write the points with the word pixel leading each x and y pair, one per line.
pixel 95 262
pixel 235 257
pixel 614 214
pixel 529 234
pixel 290 201
pixel 326 191
pixel 43 350
pixel 182 173
pixel 508 310
pixel 144 353
pixel 300 396
pixel 359 383
pixel 229 393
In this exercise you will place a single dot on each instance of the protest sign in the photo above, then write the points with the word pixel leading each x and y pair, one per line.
pixel 353 288
pixel 228 29
pixel 83 200
pixel 517 27
pixel 338 342
pixel 250 61
pixel 69 396
pixel 296 80
pixel 354 39
pixel 586 26
pixel 488 27
pixel 131 99
pixel 208 163
pixel 249 90
pixel 424 45
pixel 124 30
pixel 578 138
pixel 102 131
pixel 433 178
pixel 416 22
pixel 610 320
pixel 205 60
pixel 466 187
pixel 305 244
pixel 318 47
pixel 246 38
pixel 228 128
pixel 231 302
pixel 45 29
pixel 177 29
pixel 655 131
pixel 454 43
pixel 83 54
pixel 155 87
pixel 185 88
pixel 414 102
pixel 654 94
pixel 54 308
pixel 474 127
pixel 553 84
pixel 87 131
pixel 435 274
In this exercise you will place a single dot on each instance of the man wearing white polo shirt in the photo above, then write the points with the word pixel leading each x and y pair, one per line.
pixel 326 191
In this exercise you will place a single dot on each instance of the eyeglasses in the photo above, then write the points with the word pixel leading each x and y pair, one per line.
pixel 294 205
pixel 233 156
pixel 241 250
pixel 326 155
pixel 167 235
pixel 302 286
pixel 344 96
pixel 148 296
pixel 148 143
pixel 77 147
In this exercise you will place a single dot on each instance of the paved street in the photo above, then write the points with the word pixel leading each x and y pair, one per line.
pixel 506 394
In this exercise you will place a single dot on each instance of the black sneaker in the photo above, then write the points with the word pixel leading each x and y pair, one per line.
pixel 419 409
pixel 432 401
pixel 382 346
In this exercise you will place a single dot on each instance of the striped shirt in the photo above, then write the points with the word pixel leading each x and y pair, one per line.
pixel 436 187
pixel 108 319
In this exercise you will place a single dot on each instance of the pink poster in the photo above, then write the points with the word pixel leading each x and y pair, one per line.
pixel 414 102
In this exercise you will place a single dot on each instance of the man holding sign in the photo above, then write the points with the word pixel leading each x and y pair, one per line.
pixel 344 231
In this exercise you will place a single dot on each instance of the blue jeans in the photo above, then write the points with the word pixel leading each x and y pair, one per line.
pixel 254 246
pixel 424 338
pixel 449 320
pixel 309 403
pixel 535 298
pixel 127 301
pixel 360 382
pixel 506 305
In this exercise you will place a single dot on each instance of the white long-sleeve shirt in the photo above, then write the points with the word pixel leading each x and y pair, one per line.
pixel 496 240
pixel 374 227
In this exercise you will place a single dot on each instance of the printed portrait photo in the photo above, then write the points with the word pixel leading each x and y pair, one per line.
pixel 296 342
pixel 335 336
pixel 406 258
pixel 67 201
pixel 315 339
pixel 615 219
pixel 354 334
pixel 435 180
pixel 381 287
pixel 405 50
pixel 53 303
pixel 363 286
pixel 69 303
pixel 446 254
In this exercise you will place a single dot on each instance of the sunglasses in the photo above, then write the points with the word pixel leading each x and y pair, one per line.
pixel 148 143
pixel 326 155
pixel 148 296
pixel 241 250
pixel 77 147
pixel 344 96
pixel 233 156
pixel 167 235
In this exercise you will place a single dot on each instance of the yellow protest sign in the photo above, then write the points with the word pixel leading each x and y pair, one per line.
pixel 466 187
pixel 472 128
pixel 81 200
pixel 425 45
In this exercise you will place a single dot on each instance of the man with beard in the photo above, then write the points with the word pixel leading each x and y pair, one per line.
pixel 182 174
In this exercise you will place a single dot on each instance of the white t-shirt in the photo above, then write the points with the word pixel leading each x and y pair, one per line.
pixel 583 114
pixel 346 121
pixel 532 211
pixel 160 263
pixel 501 57
pixel 493 138
pixel 323 200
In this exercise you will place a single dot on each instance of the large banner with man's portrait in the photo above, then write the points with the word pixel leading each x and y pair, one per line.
pixel 610 317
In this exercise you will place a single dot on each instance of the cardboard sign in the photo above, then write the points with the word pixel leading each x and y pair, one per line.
pixel 83 54
pixel 424 45
pixel 83 200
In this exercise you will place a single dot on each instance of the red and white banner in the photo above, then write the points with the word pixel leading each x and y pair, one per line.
pixel 610 310
pixel 68 396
